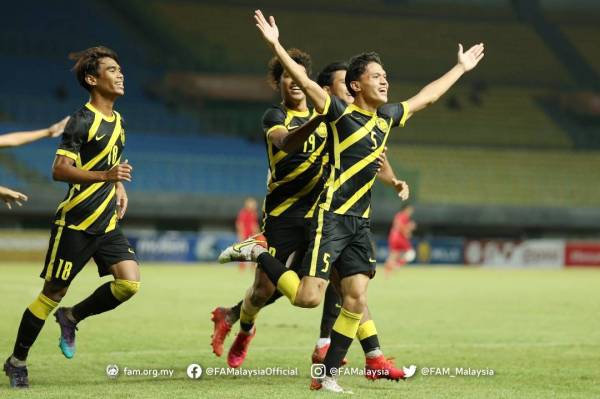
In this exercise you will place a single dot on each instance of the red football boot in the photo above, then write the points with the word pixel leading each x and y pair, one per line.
pixel 380 367
pixel 239 348
pixel 318 355
pixel 222 329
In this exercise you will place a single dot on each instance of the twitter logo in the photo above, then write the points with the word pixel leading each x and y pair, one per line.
pixel 409 371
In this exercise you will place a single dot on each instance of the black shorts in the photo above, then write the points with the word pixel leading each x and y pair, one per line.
pixel 342 241
pixel 286 235
pixel 70 250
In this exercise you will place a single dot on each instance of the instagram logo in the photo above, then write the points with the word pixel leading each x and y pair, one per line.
pixel 317 370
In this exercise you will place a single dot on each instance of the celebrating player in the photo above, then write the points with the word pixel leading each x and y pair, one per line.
pixel 341 230
pixel 86 222
pixel 367 333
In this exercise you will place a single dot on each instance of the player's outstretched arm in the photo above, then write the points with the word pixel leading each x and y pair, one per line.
pixel 19 138
pixel 434 90
pixel 292 141
pixel 9 197
pixel 64 169
pixel 386 175
pixel 270 33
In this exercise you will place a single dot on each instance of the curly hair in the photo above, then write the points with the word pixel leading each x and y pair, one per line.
pixel 276 69
pixel 87 62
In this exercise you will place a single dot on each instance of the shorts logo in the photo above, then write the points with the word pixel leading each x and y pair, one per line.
pixel 372 260
pixel 382 124
pixel 131 251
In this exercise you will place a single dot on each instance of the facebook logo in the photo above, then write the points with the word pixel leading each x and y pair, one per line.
pixel 194 371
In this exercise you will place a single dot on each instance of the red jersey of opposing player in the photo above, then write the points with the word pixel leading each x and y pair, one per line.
pixel 401 231
pixel 246 223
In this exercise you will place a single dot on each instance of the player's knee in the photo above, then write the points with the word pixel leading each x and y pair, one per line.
pixel 54 291
pixel 310 299
pixel 124 289
pixel 355 302
pixel 260 295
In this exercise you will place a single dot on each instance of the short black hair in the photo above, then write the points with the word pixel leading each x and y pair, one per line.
pixel 276 69
pixel 87 62
pixel 358 66
pixel 325 78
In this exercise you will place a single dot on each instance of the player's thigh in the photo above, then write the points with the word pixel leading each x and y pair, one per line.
pixel 68 252
pixel 115 256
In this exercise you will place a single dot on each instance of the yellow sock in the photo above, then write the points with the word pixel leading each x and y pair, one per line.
pixel 42 306
pixel 288 285
pixel 347 323
pixel 366 330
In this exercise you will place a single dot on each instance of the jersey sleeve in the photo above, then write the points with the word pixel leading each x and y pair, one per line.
pixel 273 119
pixel 334 108
pixel 73 137
pixel 398 112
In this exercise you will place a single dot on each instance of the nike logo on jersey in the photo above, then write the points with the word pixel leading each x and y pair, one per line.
pixel 98 138
pixel 293 127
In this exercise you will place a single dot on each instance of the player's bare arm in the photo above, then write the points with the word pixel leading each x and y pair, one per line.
pixel 434 90
pixel 11 197
pixel 292 141
pixel 64 169
pixel 270 33
pixel 386 175
pixel 122 199
pixel 20 138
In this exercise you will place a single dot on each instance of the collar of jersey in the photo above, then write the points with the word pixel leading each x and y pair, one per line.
pixel 353 107
pixel 302 114
pixel 94 110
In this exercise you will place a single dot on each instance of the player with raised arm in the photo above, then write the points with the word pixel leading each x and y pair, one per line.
pixel 341 229
pixel 16 139
pixel 286 234
pixel 86 222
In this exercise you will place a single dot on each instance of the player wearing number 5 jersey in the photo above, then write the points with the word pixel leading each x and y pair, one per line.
pixel 86 222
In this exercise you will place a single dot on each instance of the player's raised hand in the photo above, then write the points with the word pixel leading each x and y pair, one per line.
pixel 119 172
pixel 9 197
pixel 402 189
pixel 471 57
pixel 268 28
pixel 58 128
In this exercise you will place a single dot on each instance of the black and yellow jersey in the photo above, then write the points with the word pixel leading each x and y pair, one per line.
pixel 296 179
pixel 356 138
pixel 95 143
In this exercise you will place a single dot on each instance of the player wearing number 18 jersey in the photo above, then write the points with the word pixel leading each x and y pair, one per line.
pixel 86 221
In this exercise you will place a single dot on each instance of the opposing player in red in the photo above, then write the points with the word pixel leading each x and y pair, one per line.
pixel 401 250
pixel 246 223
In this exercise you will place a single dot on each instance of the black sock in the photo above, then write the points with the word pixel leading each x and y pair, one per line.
pixel 331 310
pixel 271 266
pixel 234 312
pixel 102 300
pixel 29 329
pixel 370 343
pixel 337 351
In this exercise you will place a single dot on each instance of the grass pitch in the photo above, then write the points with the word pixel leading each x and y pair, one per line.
pixel 539 330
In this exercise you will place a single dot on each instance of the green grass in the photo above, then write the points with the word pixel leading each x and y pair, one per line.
pixel 538 330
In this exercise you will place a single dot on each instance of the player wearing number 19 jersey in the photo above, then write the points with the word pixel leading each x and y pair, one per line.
pixel 86 221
